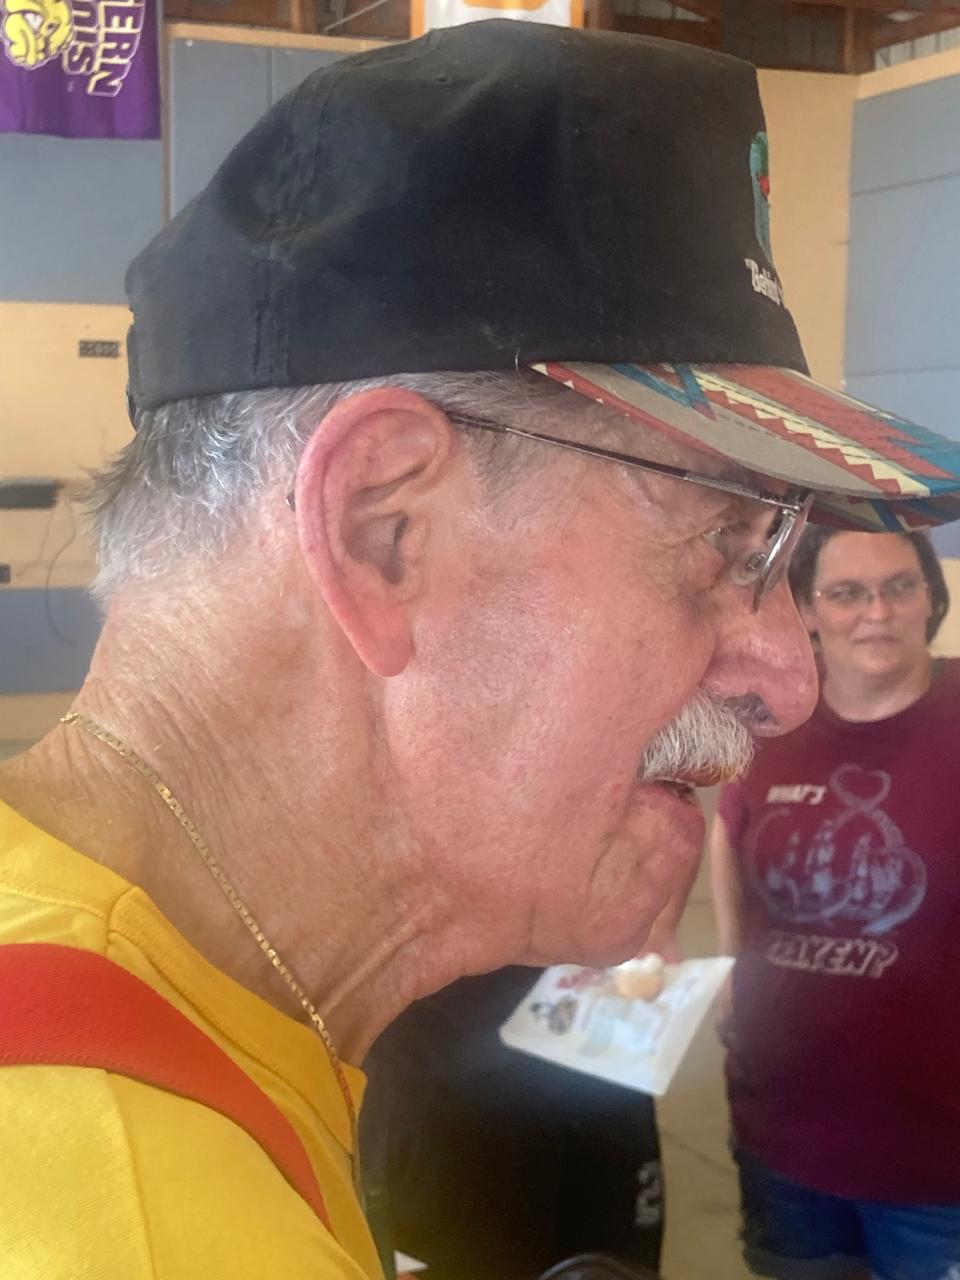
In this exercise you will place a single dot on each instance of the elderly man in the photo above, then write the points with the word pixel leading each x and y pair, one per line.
pixel 417 634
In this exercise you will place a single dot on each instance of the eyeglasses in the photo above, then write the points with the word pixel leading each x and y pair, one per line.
pixel 900 590
pixel 762 566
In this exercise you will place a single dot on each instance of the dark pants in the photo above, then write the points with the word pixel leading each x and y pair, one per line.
pixel 497 1164
pixel 792 1232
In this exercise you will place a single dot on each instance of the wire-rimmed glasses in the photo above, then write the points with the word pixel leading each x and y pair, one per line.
pixel 762 566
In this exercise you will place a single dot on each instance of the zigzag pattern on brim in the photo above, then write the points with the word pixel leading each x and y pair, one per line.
pixel 924 453
pixel 888 460
pixel 897 460
pixel 876 469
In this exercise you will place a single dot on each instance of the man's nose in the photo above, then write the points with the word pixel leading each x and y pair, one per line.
pixel 764 659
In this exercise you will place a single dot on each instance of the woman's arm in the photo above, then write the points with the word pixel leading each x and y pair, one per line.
pixel 727 889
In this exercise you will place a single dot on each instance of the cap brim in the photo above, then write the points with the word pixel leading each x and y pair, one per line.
pixel 868 469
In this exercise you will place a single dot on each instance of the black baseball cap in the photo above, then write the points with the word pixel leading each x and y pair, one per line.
pixel 504 194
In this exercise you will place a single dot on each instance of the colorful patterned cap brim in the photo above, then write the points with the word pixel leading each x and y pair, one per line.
pixel 869 469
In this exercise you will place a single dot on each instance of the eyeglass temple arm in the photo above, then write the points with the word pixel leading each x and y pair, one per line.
pixel 658 468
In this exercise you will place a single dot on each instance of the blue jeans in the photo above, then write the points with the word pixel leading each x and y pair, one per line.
pixel 791 1232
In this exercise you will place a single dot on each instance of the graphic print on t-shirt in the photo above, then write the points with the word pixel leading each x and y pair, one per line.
pixel 855 873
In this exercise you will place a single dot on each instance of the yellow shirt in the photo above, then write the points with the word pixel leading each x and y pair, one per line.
pixel 105 1178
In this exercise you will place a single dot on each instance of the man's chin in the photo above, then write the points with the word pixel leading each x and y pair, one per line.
pixel 606 938
pixel 662 848
pixel 597 953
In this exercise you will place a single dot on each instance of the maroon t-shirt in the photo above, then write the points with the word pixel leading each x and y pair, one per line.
pixel 845 1073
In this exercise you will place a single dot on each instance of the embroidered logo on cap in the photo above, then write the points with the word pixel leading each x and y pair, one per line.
pixel 764 282
pixel 760 176
pixel 763 279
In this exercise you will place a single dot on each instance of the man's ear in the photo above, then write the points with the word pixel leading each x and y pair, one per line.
pixel 367 490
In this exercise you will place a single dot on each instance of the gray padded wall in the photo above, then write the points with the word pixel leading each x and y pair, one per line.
pixel 290 66
pixel 74 212
pixel 48 639
pixel 903 297
pixel 77 210
pixel 217 92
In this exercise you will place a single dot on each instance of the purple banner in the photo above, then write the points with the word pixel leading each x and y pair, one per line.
pixel 79 68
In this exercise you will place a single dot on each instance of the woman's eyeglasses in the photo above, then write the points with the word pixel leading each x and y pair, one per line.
pixel 903 589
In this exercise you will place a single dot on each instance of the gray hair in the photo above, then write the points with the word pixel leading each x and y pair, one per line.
pixel 193 475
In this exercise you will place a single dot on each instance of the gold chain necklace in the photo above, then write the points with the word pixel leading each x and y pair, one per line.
pixel 263 942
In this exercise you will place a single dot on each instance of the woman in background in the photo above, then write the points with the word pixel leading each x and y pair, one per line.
pixel 836 867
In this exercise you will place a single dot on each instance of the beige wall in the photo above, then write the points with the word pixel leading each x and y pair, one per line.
pixel 810 124
pixel 947 643
pixel 61 415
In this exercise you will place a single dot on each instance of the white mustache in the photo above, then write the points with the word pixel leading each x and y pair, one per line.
pixel 706 737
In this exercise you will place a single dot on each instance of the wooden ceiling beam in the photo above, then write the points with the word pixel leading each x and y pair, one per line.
pixel 602 15
pixel 710 9
pixel 705 34
pixel 387 21
pixel 888 6
pixel 243 13
pixel 856 53
pixel 821 12
pixel 303 16
pixel 928 24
